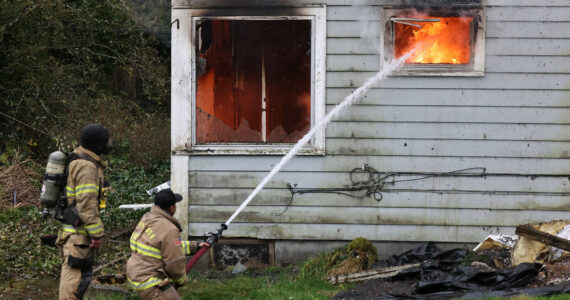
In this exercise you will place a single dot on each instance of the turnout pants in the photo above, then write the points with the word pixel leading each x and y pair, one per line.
pixel 159 293
pixel 77 267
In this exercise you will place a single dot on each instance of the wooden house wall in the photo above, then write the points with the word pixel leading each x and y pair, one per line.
pixel 514 122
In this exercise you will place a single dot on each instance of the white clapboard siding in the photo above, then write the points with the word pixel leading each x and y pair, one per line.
pixel 491 183
pixel 405 164
pixel 456 97
pixel 347 232
pixel 528 29
pixel 449 131
pixel 514 121
pixel 527 46
pixel 457 114
pixel 450 148
pixel 489 81
pixel 373 215
pixel 391 197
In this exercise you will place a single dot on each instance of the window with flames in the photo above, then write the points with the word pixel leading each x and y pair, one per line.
pixel 442 42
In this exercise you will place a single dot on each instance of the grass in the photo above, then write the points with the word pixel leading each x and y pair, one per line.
pixel 284 282
pixel 271 283
pixel 21 254
pixel 278 283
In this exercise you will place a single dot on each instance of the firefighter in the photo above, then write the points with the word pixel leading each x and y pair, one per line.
pixel 157 261
pixel 82 228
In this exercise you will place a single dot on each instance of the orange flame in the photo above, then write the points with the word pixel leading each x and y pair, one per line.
pixel 443 42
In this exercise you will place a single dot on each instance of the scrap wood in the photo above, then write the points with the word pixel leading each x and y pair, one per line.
pixel 543 237
pixel 108 288
pixel 114 261
pixel 496 241
pixel 371 274
pixel 128 230
pixel 112 279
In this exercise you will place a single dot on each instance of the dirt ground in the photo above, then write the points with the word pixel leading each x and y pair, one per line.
pixel 30 289
pixel 556 274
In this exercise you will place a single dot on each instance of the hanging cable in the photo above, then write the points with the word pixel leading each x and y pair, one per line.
pixel 374 183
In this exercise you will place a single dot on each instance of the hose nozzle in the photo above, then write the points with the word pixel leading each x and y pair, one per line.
pixel 213 237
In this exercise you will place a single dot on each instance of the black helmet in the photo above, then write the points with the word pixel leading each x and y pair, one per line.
pixel 95 137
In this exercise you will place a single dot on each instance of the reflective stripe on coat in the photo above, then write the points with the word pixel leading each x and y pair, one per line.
pixel 157 250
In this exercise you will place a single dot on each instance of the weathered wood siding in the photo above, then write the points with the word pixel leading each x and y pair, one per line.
pixel 514 121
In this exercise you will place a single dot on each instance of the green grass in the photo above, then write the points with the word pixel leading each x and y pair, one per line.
pixel 21 254
pixel 307 282
pixel 277 283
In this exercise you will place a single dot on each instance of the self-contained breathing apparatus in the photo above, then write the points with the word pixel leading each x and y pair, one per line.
pixel 53 196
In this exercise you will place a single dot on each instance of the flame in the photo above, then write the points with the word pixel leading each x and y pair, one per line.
pixel 443 42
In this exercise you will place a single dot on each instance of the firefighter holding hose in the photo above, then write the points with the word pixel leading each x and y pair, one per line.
pixel 157 263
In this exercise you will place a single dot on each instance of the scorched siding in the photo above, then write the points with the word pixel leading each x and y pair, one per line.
pixel 514 121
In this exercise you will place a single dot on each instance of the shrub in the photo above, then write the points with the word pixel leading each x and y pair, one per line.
pixel 66 64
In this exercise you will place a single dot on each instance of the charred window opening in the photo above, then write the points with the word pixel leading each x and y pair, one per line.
pixel 445 41
pixel 253 81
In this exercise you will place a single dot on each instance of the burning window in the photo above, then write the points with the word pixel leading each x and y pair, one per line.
pixel 444 42
pixel 253 81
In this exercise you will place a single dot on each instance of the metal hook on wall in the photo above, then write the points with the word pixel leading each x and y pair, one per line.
pixel 177 21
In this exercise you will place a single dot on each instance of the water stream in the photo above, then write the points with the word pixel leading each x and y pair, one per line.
pixel 349 100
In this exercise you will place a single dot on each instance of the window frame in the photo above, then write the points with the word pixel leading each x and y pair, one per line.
pixel 476 67
pixel 317 16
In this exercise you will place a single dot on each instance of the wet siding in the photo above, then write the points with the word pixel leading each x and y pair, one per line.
pixel 514 121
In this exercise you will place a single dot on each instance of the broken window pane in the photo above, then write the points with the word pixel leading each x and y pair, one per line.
pixel 253 81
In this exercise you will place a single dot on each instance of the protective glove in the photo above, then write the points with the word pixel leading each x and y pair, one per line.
pixel 95 243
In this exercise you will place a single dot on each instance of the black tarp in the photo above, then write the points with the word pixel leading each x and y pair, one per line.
pixel 441 276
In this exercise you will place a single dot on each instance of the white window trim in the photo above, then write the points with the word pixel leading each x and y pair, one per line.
pixel 183 72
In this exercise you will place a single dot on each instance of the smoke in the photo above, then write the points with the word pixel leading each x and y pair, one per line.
pixel 370 30
pixel 442 7
pixel 441 3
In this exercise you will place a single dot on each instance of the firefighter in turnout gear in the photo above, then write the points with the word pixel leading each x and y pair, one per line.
pixel 157 262
pixel 82 228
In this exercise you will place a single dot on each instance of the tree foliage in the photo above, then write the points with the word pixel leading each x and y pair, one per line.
pixel 69 63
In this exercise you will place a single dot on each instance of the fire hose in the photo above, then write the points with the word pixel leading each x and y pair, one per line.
pixel 211 240
pixel 214 237
pixel 349 100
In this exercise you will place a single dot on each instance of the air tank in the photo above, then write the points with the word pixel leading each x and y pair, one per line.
pixel 52 185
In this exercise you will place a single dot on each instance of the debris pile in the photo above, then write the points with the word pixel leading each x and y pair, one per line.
pixel 532 263
pixel 18 183
pixel 359 255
